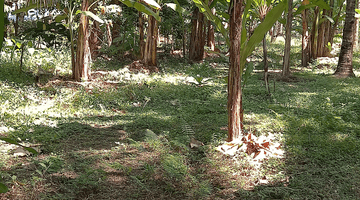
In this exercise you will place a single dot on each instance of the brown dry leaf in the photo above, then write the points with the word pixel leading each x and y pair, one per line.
pixel 266 145
pixel 256 153
pixel 249 136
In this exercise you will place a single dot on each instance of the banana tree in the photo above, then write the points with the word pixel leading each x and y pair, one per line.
pixel 2 26
pixel 151 8
pixel 240 48
pixel 261 8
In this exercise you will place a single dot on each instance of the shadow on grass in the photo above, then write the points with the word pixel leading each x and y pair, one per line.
pixel 12 75
pixel 322 140
pixel 322 143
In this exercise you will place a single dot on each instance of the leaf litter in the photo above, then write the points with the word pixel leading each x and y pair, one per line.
pixel 255 151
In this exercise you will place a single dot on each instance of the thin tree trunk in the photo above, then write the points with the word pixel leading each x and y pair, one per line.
pixel 235 109
pixel 266 65
pixel 321 37
pixel 286 64
pixel 16 24
pixel 305 46
pixel 328 30
pixel 345 68
pixel 83 54
pixel 142 35
pixel 151 43
pixel 211 33
pixel 273 32
pixel 184 41
pixel 313 35
pixel 356 30
pixel 211 37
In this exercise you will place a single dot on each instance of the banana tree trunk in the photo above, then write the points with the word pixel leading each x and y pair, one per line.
pixel 305 45
pixel 321 36
pixel 151 43
pixel 83 54
pixel 286 64
pixel 141 33
pixel 197 40
pixel 234 106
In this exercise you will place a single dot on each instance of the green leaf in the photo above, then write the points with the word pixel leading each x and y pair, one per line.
pixel 175 7
pixel 260 31
pixel 3 188
pixel 59 18
pixel 93 16
pixel 78 12
pixel 8 140
pixel 141 8
pixel 31 150
pixel 25 9
pixel 247 73
pixel 18 44
pixel 152 3
pixel 329 18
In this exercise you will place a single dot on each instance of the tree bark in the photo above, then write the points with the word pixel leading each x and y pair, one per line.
pixel 82 69
pixel 321 37
pixel 286 63
pixel 266 65
pixel 313 45
pixel 211 33
pixel 142 35
pixel 356 30
pixel 345 68
pixel 328 30
pixel 197 40
pixel 234 106
pixel 305 44
pixel 151 43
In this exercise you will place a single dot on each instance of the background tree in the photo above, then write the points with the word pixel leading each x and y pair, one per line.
pixel 344 67
pixel 83 53
pixel 286 63
pixel 198 35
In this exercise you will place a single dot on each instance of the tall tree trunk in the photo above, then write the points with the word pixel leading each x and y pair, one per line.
pixel 211 36
pixel 197 40
pixel 356 30
pixel 234 106
pixel 313 35
pixel 266 65
pixel 286 64
pixel 273 32
pixel 95 42
pixel 328 30
pixel 83 54
pixel 141 33
pixel 305 44
pixel 151 43
pixel 211 33
pixel 321 36
pixel 345 68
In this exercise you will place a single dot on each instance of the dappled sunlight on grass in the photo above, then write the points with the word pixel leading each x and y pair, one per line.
pixel 124 135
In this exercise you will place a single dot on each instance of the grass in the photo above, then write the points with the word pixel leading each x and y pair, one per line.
pixel 130 140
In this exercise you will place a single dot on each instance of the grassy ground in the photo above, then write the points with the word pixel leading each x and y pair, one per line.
pixel 125 136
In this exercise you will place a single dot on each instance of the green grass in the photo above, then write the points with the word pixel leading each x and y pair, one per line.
pixel 95 143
